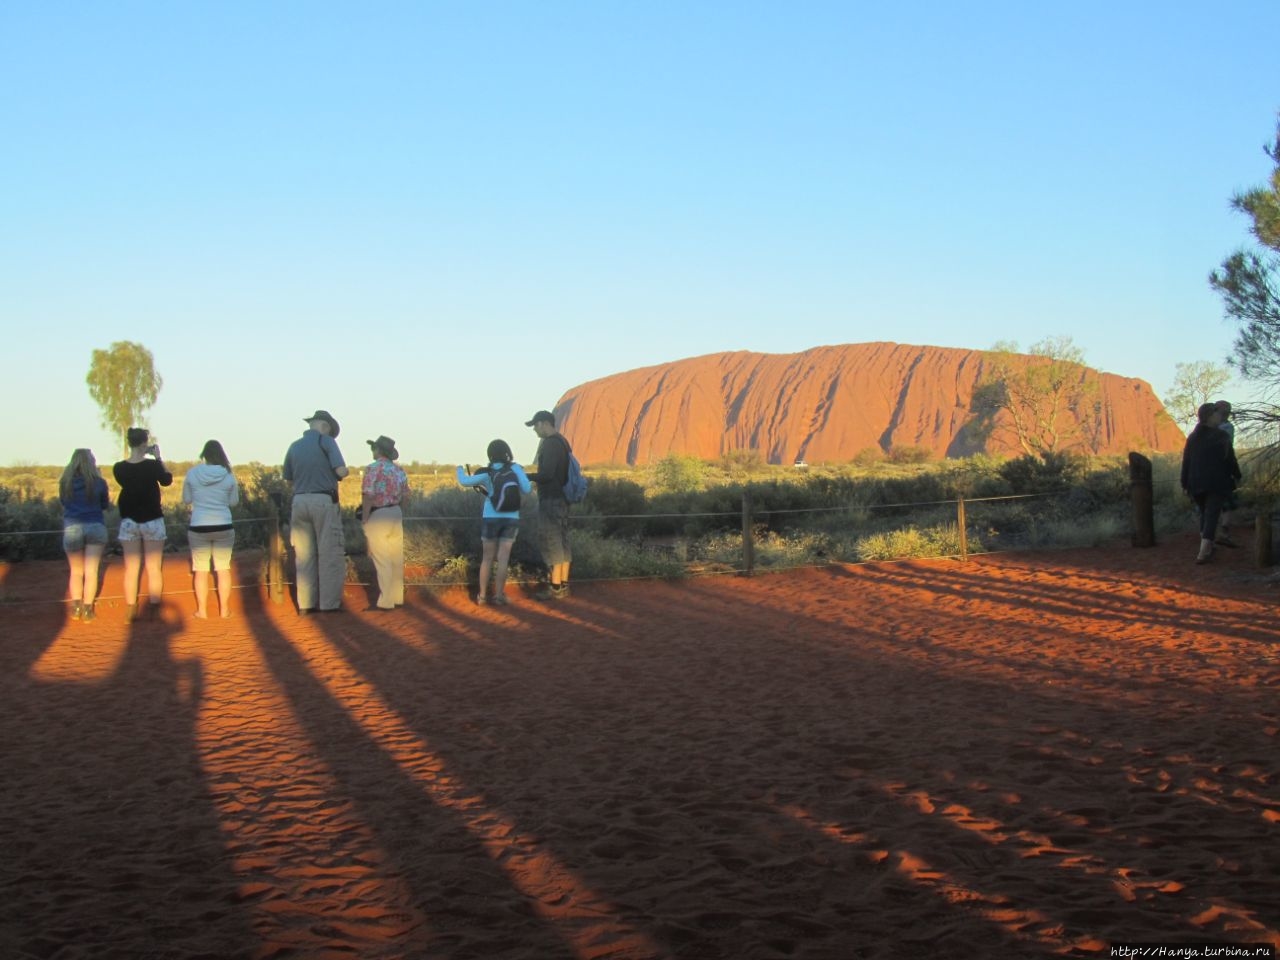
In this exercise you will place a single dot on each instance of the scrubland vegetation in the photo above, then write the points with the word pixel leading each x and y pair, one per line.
pixel 684 516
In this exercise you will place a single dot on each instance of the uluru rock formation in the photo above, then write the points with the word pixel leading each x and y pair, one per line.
pixel 825 404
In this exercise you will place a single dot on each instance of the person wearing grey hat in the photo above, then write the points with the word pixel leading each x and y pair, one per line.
pixel 313 466
pixel 382 496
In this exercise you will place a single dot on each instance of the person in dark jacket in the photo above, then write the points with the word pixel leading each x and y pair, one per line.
pixel 1209 472
pixel 553 509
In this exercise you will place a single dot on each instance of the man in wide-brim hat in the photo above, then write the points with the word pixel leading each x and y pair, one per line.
pixel 314 465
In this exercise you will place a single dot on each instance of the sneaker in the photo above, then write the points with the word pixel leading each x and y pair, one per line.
pixel 76 609
pixel 499 600
pixel 560 592
pixel 87 614
pixel 544 592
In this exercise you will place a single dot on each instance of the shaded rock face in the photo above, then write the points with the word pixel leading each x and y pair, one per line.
pixel 825 404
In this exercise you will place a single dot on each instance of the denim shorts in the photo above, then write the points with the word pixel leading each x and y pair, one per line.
pixel 131 530
pixel 76 536
pixel 498 528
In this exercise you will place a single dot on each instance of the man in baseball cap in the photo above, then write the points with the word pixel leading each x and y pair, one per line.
pixel 551 475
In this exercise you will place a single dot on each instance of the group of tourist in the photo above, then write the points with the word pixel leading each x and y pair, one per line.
pixel 313 466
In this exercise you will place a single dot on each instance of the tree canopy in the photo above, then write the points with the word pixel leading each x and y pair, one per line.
pixel 123 383
pixel 1194 384
pixel 1050 401
pixel 1249 283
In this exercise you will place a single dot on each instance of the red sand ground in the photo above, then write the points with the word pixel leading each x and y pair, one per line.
pixel 1024 755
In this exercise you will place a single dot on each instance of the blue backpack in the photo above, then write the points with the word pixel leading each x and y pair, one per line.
pixel 575 488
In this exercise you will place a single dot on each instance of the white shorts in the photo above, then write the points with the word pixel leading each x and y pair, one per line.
pixel 131 530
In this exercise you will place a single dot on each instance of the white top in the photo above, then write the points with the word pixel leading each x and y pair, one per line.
pixel 211 490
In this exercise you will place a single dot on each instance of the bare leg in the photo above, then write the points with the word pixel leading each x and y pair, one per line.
pixel 75 582
pixel 154 553
pixel 224 592
pixel 559 574
pixel 132 571
pixel 488 548
pixel 92 561
pixel 202 593
pixel 504 557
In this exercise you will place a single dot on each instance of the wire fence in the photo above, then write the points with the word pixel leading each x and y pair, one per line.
pixel 442 542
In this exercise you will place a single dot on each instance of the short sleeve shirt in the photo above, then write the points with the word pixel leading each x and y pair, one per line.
pixel 310 463
pixel 384 483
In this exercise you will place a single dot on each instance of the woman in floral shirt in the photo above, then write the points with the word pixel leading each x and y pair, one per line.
pixel 383 493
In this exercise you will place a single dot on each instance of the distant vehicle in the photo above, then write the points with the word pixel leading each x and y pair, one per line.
pixel 801 465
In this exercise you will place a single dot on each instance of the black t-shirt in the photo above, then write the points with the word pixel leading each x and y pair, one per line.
pixel 140 485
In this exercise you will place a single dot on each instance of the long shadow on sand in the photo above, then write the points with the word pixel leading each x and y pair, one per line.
pixel 111 846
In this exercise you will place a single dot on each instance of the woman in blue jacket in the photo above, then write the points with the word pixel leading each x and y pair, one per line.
pixel 503 483
pixel 83 494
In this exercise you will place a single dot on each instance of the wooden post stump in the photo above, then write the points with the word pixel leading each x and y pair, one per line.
pixel 748 535
pixel 275 563
pixel 1143 500
pixel 962 525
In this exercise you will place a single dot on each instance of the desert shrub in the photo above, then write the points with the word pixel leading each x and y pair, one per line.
pixel 1078 531
pixel 613 500
pixel 264 496
pixel 942 540
pixel 427 544
pixel 868 456
pixel 909 454
pixel 602 558
pixel 675 473
pixel 742 461
pixel 1034 474
pixel 30 527
pixel 794 549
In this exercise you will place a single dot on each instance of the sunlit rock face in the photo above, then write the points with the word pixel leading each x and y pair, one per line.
pixel 825 404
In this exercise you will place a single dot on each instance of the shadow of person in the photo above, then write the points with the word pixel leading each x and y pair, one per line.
pixel 118 841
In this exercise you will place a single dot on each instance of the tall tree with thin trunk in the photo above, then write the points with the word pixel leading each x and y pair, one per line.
pixel 1249 283
pixel 1049 402
pixel 123 383
pixel 1194 384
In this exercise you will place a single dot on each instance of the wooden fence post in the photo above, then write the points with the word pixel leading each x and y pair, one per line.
pixel 275 562
pixel 1144 521
pixel 962 525
pixel 748 535
pixel 1262 538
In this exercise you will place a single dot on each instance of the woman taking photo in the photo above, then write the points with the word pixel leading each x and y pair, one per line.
pixel 210 488
pixel 84 497
pixel 142 532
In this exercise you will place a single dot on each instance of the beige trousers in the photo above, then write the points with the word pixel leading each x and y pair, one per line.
pixel 385 535
pixel 315 530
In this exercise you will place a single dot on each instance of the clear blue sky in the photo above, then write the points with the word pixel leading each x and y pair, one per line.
pixel 433 219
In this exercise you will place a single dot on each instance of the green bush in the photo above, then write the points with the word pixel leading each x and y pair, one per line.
pixel 910 454
pixel 911 541
pixel 601 558
pixel 1053 471
pixel 675 473
pixel 30 527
